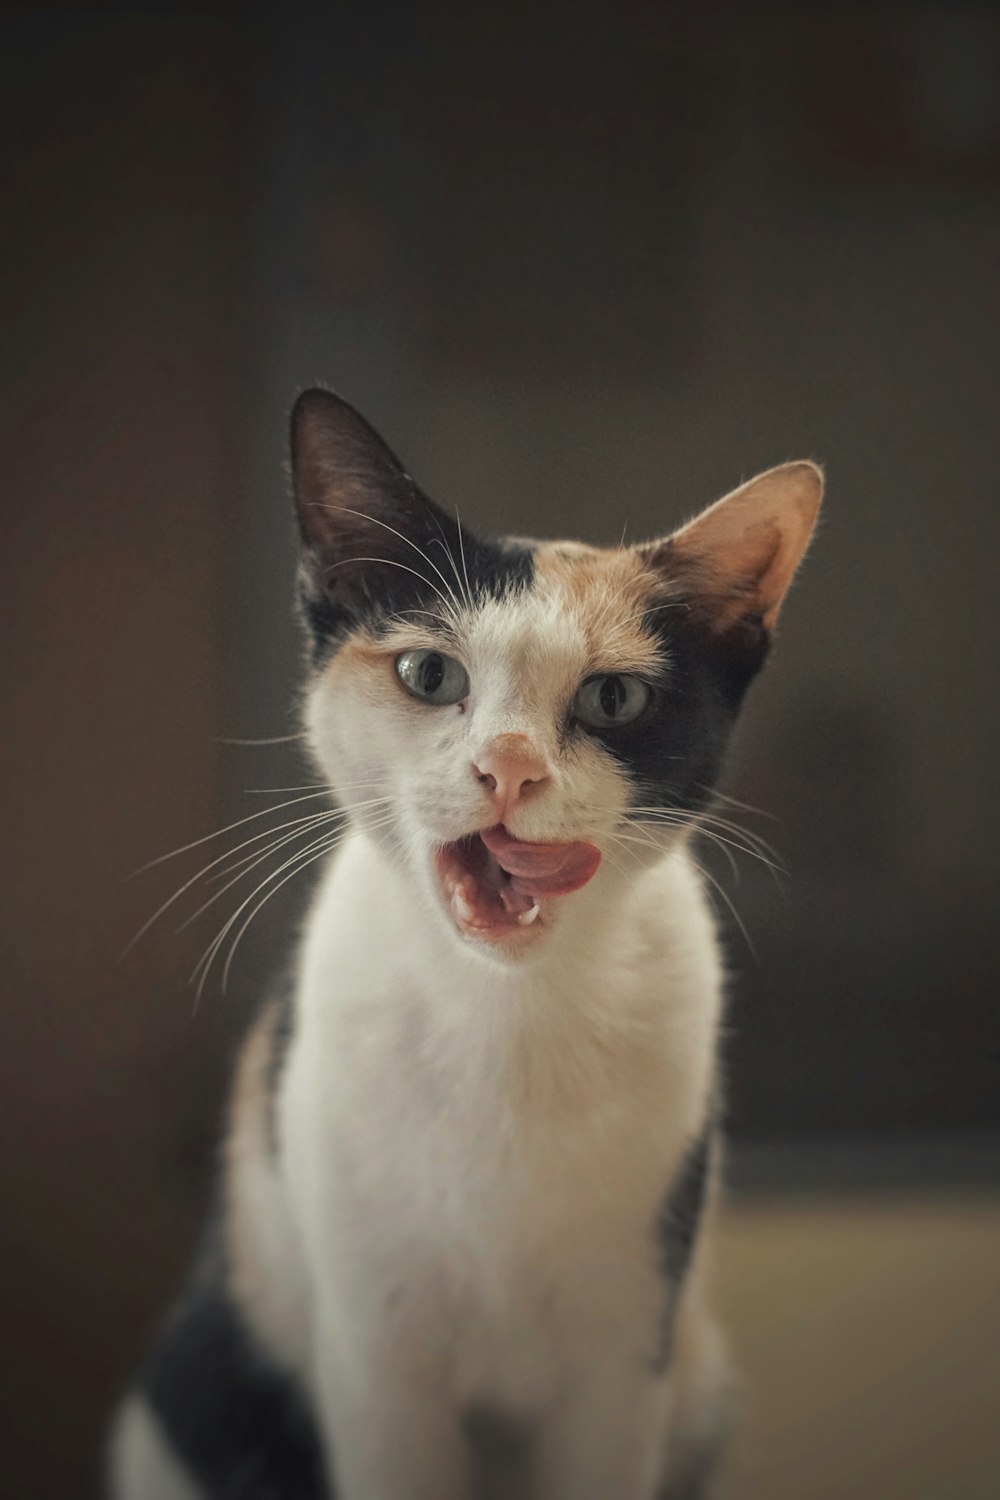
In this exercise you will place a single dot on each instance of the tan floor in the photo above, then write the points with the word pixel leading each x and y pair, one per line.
pixel 868 1338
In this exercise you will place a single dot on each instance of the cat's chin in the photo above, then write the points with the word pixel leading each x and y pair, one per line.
pixel 502 891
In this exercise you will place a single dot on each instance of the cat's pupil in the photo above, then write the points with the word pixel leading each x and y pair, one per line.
pixel 612 695
pixel 432 672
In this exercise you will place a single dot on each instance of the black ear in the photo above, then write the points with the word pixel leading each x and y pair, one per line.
pixel 372 543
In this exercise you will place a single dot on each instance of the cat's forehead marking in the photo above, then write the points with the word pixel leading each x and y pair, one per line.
pixel 609 592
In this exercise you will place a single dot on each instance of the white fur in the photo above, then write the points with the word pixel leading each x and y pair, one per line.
pixel 142 1462
pixel 478 1122
pixel 475 1146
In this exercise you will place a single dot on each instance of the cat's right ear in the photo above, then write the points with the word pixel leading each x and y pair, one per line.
pixel 365 526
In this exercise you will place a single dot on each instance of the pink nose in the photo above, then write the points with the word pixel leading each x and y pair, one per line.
pixel 509 769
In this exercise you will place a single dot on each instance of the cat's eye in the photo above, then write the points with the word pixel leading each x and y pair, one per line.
pixel 612 699
pixel 431 675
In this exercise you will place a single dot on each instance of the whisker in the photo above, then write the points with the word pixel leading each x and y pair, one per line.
pixel 300 857
pixel 727 852
pixel 386 527
pixel 335 791
pixel 276 739
pixel 388 562
pixel 642 837
pixel 760 845
pixel 251 861
pixel 227 967
pixel 204 964
pixel 255 856
pixel 616 862
pixel 461 549
pixel 654 609
pixel 706 874
pixel 625 848
pixel 441 539
pixel 262 791
pixel 206 838
pixel 760 812
pixel 611 601
pixel 706 824
pixel 226 854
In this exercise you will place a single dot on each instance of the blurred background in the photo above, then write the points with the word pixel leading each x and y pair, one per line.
pixel 586 266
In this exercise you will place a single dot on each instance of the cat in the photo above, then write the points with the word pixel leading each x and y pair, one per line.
pixel 461 1242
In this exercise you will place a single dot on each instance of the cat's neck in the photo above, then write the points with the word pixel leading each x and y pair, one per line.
pixel 368 919
pixel 623 999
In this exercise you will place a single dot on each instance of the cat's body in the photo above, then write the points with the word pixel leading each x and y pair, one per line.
pixel 461 1251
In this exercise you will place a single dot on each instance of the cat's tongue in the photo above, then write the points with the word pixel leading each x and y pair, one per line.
pixel 538 870
pixel 492 882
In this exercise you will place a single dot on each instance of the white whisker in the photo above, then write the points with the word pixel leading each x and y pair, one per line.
pixel 707 825
pixel 388 562
pixel 409 543
pixel 736 916
pixel 335 791
pixel 204 964
pixel 297 860
pixel 465 569
pixel 276 739
pixel 450 557
pixel 226 854
pixel 207 838
pixel 251 861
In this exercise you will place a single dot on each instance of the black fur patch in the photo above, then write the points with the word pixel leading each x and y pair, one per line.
pixel 673 751
pixel 390 590
pixel 279 1041
pixel 373 545
pixel 693 1481
pixel 677 1228
pixel 240 1425
pixel 501 1452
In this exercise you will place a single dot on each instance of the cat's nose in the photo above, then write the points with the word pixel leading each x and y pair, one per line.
pixel 510 769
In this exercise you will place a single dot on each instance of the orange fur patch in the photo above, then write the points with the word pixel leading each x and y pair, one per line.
pixel 248 1135
pixel 611 594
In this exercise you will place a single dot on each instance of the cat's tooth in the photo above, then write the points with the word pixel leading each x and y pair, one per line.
pixel 462 905
pixel 527 917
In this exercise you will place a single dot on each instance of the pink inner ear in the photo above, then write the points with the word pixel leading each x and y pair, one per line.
pixel 743 576
pixel 739 556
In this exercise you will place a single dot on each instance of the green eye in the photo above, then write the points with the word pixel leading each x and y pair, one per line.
pixel 606 702
pixel 431 675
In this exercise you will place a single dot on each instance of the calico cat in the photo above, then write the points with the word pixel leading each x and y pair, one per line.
pixel 460 1248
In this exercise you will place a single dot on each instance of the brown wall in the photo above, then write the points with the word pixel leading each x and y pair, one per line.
pixel 125 215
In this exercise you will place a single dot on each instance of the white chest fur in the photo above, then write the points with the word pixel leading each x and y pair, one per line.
pixel 475 1158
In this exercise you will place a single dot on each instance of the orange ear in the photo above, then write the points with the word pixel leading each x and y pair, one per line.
pixel 738 557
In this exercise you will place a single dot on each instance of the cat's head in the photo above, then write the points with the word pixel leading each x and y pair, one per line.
pixel 516 720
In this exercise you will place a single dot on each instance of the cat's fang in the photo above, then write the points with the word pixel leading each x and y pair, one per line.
pixel 462 905
pixel 527 917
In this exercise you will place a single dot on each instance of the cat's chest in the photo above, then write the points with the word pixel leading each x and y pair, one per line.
pixel 465 1157
pixel 515 1211
pixel 504 1161
pixel 435 1101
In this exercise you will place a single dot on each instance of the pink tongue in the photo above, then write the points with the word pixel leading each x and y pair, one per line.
pixel 542 869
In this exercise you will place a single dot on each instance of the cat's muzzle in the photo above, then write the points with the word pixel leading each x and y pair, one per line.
pixel 496 886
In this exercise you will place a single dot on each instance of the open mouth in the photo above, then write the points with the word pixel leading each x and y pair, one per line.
pixel 494 884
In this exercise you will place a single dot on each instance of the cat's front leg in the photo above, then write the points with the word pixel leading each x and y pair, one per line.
pixel 391 1436
pixel 605 1437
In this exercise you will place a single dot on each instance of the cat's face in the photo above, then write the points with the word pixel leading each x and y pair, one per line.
pixel 518 720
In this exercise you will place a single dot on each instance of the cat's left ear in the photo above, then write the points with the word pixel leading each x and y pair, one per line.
pixel 735 561
pixel 369 535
